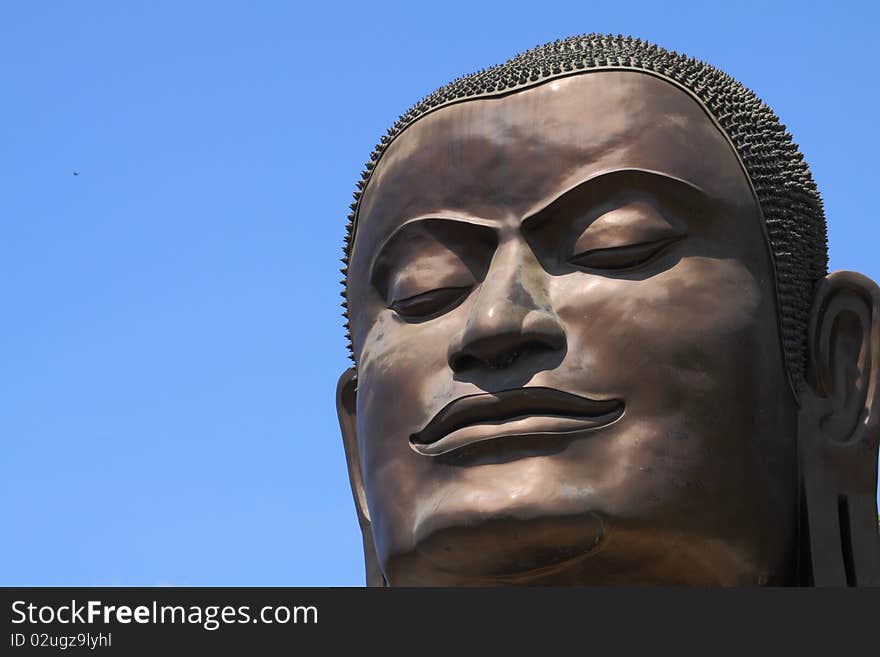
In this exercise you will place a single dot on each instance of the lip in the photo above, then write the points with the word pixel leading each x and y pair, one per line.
pixel 530 411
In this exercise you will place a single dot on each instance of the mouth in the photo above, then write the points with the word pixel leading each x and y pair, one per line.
pixel 531 411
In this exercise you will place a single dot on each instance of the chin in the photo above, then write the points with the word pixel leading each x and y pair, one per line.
pixel 517 546
pixel 582 551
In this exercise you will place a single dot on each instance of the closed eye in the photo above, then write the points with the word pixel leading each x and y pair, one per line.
pixel 621 257
pixel 430 304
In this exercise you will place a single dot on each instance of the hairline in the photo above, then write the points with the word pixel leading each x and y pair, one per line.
pixel 531 84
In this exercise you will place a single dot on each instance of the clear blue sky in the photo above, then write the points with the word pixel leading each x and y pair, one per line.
pixel 170 336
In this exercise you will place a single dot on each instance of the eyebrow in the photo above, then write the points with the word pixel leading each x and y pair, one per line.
pixel 536 212
pixel 689 188
pixel 473 224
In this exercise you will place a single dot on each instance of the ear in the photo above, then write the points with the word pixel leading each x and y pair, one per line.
pixel 346 410
pixel 838 431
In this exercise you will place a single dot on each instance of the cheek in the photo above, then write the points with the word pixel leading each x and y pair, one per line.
pixel 404 368
pixel 403 380
pixel 694 327
pixel 694 353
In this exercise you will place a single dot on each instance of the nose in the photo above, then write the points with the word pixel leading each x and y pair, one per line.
pixel 511 317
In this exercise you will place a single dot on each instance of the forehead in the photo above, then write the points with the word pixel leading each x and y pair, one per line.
pixel 497 158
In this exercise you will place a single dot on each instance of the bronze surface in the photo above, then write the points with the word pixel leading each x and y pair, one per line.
pixel 569 367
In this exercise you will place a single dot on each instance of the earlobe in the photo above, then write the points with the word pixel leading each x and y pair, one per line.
pixel 346 410
pixel 838 432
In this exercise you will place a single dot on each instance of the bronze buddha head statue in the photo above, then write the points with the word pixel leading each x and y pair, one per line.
pixel 595 340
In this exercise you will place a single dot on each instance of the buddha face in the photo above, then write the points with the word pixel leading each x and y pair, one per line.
pixel 568 358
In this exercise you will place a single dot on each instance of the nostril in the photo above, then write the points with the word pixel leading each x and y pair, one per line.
pixel 505 360
pixel 497 358
pixel 463 362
